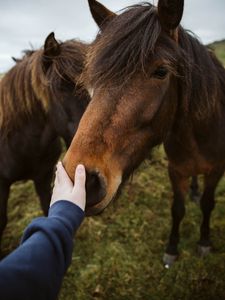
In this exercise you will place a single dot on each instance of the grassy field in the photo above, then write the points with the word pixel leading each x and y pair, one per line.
pixel 118 255
pixel 219 48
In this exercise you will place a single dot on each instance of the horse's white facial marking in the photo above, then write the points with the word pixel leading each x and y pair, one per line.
pixel 91 92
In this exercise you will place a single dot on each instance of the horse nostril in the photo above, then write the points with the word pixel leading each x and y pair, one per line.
pixel 95 187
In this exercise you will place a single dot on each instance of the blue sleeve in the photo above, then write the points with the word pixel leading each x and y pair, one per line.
pixel 36 268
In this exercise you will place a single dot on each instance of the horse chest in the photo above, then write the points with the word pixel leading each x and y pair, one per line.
pixel 193 166
pixel 187 159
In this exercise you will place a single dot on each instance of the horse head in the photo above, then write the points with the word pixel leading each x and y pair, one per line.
pixel 131 71
pixel 55 79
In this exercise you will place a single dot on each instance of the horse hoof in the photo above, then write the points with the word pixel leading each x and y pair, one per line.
pixel 204 250
pixel 169 259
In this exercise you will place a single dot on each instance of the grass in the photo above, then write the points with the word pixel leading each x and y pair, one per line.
pixel 219 48
pixel 118 255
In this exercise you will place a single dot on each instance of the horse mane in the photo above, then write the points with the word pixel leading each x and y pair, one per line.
pixel 67 66
pixel 203 81
pixel 27 87
pixel 125 47
pixel 134 37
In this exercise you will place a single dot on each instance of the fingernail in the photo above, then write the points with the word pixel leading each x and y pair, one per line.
pixel 80 169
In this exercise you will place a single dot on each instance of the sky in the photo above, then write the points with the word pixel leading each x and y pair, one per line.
pixel 28 22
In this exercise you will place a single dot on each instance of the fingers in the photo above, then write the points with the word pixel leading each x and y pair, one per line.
pixel 64 189
pixel 62 177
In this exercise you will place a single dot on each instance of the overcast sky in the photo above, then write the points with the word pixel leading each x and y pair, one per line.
pixel 25 22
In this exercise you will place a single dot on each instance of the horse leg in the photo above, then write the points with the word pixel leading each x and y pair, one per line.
pixel 4 195
pixel 179 186
pixel 207 204
pixel 194 190
pixel 44 191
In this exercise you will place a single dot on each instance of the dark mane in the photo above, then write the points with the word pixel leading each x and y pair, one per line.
pixel 128 42
pixel 66 66
pixel 202 75
pixel 127 45
pixel 27 87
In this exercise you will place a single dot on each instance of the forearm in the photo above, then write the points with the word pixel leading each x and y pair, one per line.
pixel 35 270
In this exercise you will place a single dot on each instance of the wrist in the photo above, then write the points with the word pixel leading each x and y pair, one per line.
pixel 68 211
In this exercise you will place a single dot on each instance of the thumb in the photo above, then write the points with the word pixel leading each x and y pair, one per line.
pixel 79 191
pixel 80 177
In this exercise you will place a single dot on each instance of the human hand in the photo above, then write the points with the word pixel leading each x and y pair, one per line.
pixel 64 188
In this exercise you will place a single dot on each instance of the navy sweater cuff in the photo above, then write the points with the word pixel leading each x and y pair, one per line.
pixel 68 211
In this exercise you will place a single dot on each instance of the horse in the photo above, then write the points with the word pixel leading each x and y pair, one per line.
pixel 151 82
pixel 40 103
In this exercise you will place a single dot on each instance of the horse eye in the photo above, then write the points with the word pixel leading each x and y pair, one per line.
pixel 160 73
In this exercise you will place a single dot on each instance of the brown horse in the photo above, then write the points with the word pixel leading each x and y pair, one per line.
pixel 40 101
pixel 152 82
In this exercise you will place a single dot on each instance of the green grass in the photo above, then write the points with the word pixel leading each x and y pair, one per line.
pixel 219 48
pixel 118 255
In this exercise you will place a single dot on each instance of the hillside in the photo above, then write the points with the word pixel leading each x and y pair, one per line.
pixel 219 48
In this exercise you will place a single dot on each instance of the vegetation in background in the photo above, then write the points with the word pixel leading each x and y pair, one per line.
pixel 219 48
pixel 118 255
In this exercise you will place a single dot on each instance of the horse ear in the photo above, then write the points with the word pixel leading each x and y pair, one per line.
pixel 170 13
pixel 15 59
pixel 100 13
pixel 51 47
